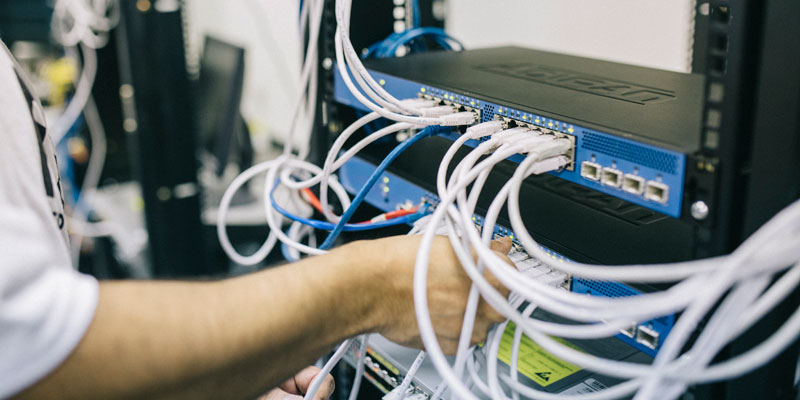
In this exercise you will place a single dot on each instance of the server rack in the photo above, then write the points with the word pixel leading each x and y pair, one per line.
pixel 159 117
pixel 745 172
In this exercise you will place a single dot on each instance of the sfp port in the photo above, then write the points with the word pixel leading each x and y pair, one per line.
pixel 657 191
pixel 590 170
pixel 647 336
pixel 612 177
pixel 633 184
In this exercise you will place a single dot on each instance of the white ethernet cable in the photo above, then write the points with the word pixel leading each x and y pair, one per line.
pixel 86 24
pixel 348 54
pixel 307 85
pixel 362 355
pixel 329 166
pixel 626 389
pixel 314 13
pixel 682 296
pixel 297 231
pixel 771 246
pixel 361 74
pixel 317 381
pixel 307 92
pixel 421 272
pixel 78 220
pixel 84 21
pixel 222 213
pixel 83 90
pixel 345 135
pixel 400 392
pixel 269 183
pixel 462 118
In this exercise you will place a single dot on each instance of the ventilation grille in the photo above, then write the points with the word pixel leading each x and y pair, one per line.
pixel 488 113
pixel 659 160
pixel 608 289
pixel 613 289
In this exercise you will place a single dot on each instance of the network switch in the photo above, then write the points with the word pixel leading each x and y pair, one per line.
pixel 635 123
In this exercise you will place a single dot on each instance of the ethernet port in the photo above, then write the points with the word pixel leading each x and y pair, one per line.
pixel 612 177
pixel 633 184
pixel 657 191
pixel 590 170
pixel 629 331
pixel 647 336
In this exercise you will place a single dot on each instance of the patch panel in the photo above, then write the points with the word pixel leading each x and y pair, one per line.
pixel 636 160
pixel 380 370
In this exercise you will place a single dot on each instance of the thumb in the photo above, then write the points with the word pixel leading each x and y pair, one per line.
pixel 304 378
pixel 278 394
pixel 502 245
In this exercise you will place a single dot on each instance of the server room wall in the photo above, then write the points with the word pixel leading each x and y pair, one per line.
pixel 651 33
pixel 266 29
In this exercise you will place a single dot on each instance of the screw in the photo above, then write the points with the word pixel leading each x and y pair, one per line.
pixel 700 210
pixel 327 63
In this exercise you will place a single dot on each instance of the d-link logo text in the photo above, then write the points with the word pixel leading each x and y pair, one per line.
pixel 584 83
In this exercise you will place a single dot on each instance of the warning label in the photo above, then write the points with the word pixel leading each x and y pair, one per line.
pixel 534 361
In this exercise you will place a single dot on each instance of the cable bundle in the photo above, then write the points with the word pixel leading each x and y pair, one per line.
pixel 743 293
pixel 84 24
pixel 292 172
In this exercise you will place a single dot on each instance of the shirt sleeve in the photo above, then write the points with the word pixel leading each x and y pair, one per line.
pixel 45 305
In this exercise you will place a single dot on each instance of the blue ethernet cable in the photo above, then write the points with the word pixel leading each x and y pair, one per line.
pixel 328 226
pixel 427 132
pixel 416 10
pixel 387 47
pixel 438 34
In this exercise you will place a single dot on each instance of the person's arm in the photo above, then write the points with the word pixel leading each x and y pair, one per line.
pixel 240 337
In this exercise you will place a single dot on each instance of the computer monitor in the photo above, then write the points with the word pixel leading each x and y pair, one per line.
pixel 223 131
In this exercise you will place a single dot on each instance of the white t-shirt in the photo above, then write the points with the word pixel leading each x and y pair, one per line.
pixel 45 305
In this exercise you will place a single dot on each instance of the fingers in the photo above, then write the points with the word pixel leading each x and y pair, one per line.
pixel 501 245
pixel 496 282
pixel 304 378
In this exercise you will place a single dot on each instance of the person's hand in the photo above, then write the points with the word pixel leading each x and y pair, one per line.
pixel 448 290
pixel 295 387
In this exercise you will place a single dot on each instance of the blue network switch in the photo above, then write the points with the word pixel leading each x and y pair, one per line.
pixel 640 173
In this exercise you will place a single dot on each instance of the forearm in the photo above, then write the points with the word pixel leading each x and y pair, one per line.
pixel 228 339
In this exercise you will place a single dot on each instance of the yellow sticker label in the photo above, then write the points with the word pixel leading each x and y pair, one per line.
pixel 534 361
pixel 380 359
